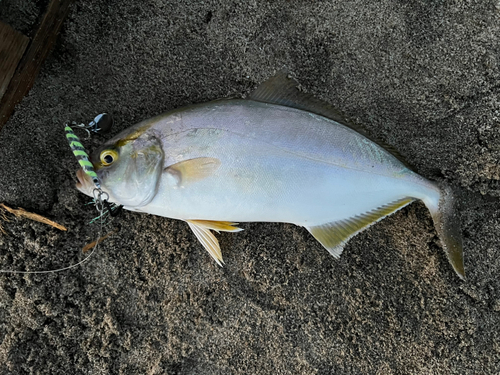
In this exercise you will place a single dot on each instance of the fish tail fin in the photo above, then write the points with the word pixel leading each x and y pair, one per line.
pixel 447 223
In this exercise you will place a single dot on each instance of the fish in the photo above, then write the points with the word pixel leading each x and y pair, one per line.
pixel 278 155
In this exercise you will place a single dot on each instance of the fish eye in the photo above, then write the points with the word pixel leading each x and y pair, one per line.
pixel 108 157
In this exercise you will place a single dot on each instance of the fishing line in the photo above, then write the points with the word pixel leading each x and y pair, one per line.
pixel 101 123
pixel 68 267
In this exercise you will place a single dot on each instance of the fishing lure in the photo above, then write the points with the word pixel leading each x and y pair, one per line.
pixel 100 197
pixel 81 155
pixel 101 123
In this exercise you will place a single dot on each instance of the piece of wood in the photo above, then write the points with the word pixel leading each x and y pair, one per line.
pixel 12 47
pixel 98 241
pixel 30 64
pixel 20 212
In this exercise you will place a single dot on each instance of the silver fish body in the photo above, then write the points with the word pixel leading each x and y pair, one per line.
pixel 272 170
pixel 239 160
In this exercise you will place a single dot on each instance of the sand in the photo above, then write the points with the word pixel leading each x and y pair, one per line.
pixel 422 76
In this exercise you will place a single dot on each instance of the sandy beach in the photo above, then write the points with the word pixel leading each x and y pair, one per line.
pixel 423 77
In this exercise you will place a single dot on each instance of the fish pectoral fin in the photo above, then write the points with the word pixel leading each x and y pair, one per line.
pixel 201 229
pixel 333 236
pixel 192 170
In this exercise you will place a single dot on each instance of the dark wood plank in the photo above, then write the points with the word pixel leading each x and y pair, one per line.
pixel 30 64
pixel 12 47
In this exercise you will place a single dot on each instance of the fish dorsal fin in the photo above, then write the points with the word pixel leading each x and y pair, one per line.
pixel 188 171
pixel 333 236
pixel 282 90
pixel 201 229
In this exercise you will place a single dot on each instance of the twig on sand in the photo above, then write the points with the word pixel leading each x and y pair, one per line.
pixel 98 241
pixel 3 217
pixel 19 212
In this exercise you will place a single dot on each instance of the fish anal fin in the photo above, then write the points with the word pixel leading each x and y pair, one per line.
pixel 192 170
pixel 282 90
pixel 334 235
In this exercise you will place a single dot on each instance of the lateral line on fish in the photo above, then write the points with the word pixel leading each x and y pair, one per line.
pixel 289 151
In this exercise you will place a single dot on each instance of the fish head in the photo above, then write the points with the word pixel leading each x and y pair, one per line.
pixel 128 167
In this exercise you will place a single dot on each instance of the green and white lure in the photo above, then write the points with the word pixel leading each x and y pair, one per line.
pixel 101 198
pixel 81 155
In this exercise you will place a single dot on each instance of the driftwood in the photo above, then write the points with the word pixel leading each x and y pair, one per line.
pixel 33 58
pixel 19 212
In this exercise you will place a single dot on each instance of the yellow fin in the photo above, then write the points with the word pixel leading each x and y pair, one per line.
pixel 192 170
pixel 333 236
pixel 224 226
pixel 201 229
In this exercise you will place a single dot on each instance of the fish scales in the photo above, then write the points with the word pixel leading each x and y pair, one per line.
pixel 289 178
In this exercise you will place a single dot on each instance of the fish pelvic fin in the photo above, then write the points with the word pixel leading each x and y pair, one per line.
pixel 447 223
pixel 334 235
pixel 201 229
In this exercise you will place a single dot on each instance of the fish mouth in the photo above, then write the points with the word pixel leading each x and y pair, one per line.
pixel 84 183
pixel 80 175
